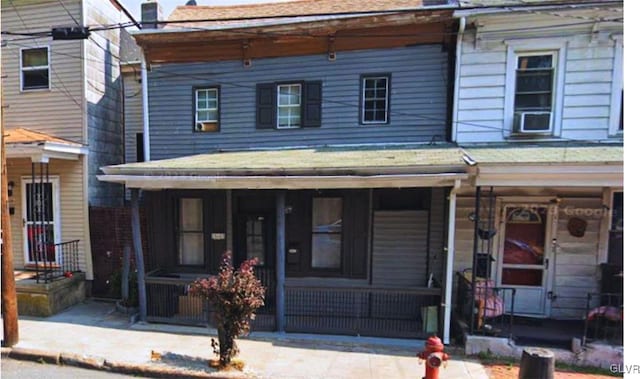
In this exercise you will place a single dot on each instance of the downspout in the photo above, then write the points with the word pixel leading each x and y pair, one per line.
pixel 451 237
pixel 456 87
pixel 145 110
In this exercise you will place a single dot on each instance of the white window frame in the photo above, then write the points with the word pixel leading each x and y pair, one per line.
pixel 216 109
pixel 22 69
pixel 520 48
pixel 364 99
pixel 278 106
pixel 57 234
pixel 617 85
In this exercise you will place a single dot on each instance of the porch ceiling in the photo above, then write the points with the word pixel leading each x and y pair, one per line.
pixel 40 147
pixel 322 167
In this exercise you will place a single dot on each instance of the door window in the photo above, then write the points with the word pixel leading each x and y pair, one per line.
pixel 523 256
pixel 40 222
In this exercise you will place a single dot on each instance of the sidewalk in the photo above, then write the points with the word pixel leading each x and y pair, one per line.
pixel 95 330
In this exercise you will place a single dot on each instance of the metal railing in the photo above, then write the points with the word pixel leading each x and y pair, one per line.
pixel 374 311
pixel 486 309
pixel 57 260
pixel 603 319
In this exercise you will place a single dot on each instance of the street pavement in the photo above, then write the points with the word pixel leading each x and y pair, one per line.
pixel 94 332
pixel 15 369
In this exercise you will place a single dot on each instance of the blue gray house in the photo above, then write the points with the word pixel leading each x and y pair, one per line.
pixel 314 137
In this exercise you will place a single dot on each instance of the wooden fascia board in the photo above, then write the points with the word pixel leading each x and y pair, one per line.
pixel 322 27
pixel 284 182
pixel 595 175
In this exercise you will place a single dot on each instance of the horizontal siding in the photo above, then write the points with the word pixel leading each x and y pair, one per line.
pixel 588 76
pixel 132 113
pixel 57 111
pixel 72 204
pixel 104 102
pixel 418 100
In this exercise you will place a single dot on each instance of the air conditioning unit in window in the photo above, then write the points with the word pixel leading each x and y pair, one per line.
pixel 206 127
pixel 532 123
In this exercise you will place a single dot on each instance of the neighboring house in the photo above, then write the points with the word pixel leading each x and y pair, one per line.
pixel 317 144
pixel 62 116
pixel 538 111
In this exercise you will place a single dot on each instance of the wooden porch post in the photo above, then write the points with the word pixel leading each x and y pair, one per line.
pixel 137 247
pixel 280 256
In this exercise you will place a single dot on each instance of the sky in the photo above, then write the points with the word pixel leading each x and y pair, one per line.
pixel 168 6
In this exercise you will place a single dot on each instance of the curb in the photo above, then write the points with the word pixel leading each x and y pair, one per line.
pixel 101 364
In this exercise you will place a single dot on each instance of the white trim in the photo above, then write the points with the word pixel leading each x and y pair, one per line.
pixel 283 182
pixel 197 109
pixel 617 86
pixel 363 109
pixel 451 243
pixel 37 152
pixel 456 79
pixel 57 234
pixel 288 106
pixel 516 48
pixel 145 110
pixel 22 89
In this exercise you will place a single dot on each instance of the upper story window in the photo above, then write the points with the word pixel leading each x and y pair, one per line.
pixel 289 106
pixel 34 68
pixel 375 99
pixel 534 87
pixel 207 110
pixel 616 116
pixel 533 103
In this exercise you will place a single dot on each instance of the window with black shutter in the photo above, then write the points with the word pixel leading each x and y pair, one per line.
pixel 288 105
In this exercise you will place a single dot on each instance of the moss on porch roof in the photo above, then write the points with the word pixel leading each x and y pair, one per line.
pixel 307 160
pixel 506 154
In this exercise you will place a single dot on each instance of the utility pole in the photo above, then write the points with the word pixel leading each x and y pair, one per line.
pixel 9 300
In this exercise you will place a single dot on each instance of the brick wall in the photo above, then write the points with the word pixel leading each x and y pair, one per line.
pixel 110 233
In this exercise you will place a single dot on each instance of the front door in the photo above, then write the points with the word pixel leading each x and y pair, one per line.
pixel 40 220
pixel 525 257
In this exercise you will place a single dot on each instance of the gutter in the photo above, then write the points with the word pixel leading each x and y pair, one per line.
pixel 456 86
pixel 451 237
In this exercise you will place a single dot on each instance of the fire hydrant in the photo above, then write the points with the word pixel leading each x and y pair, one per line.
pixel 434 356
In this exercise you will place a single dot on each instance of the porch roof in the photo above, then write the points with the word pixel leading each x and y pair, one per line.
pixel 39 146
pixel 319 167
pixel 549 165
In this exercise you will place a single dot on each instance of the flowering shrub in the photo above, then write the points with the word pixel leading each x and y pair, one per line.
pixel 234 295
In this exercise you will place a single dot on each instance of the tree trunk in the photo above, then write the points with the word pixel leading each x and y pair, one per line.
pixel 537 363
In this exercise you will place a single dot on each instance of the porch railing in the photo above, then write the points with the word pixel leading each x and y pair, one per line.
pixel 486 311
pixel 58 260
pixel 603 319
pixel 374 311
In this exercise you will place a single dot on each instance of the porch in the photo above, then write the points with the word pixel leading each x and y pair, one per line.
pixel 410 312
pixel 355 249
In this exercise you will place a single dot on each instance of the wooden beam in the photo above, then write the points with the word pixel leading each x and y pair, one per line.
pixel 280 258
pixel 270 46
pixel 137 247
pixel 9 300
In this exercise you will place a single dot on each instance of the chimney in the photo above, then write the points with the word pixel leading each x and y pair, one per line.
pixel 151 13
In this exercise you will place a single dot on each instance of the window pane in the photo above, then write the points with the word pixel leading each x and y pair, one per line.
pixel 540 102
pixel 40 240
pixel 34 57
pixel 255 239
pixel 535 61
pixel 191 249
pixel 34 79
pixel 369 115
pixel 39 202
pixel 326 251
pixel 191 215
pixel 327 215
pixel 522 277
pixel 381 83
pixel 529 81
pixel 375 100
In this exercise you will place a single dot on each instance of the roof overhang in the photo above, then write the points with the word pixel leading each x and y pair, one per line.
pixel 291 182
pixel 489 10
pixel 43 151
pixel 561 175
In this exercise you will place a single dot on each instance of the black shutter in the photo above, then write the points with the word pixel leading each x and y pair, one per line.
pixel 312 100
pixel 265 106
